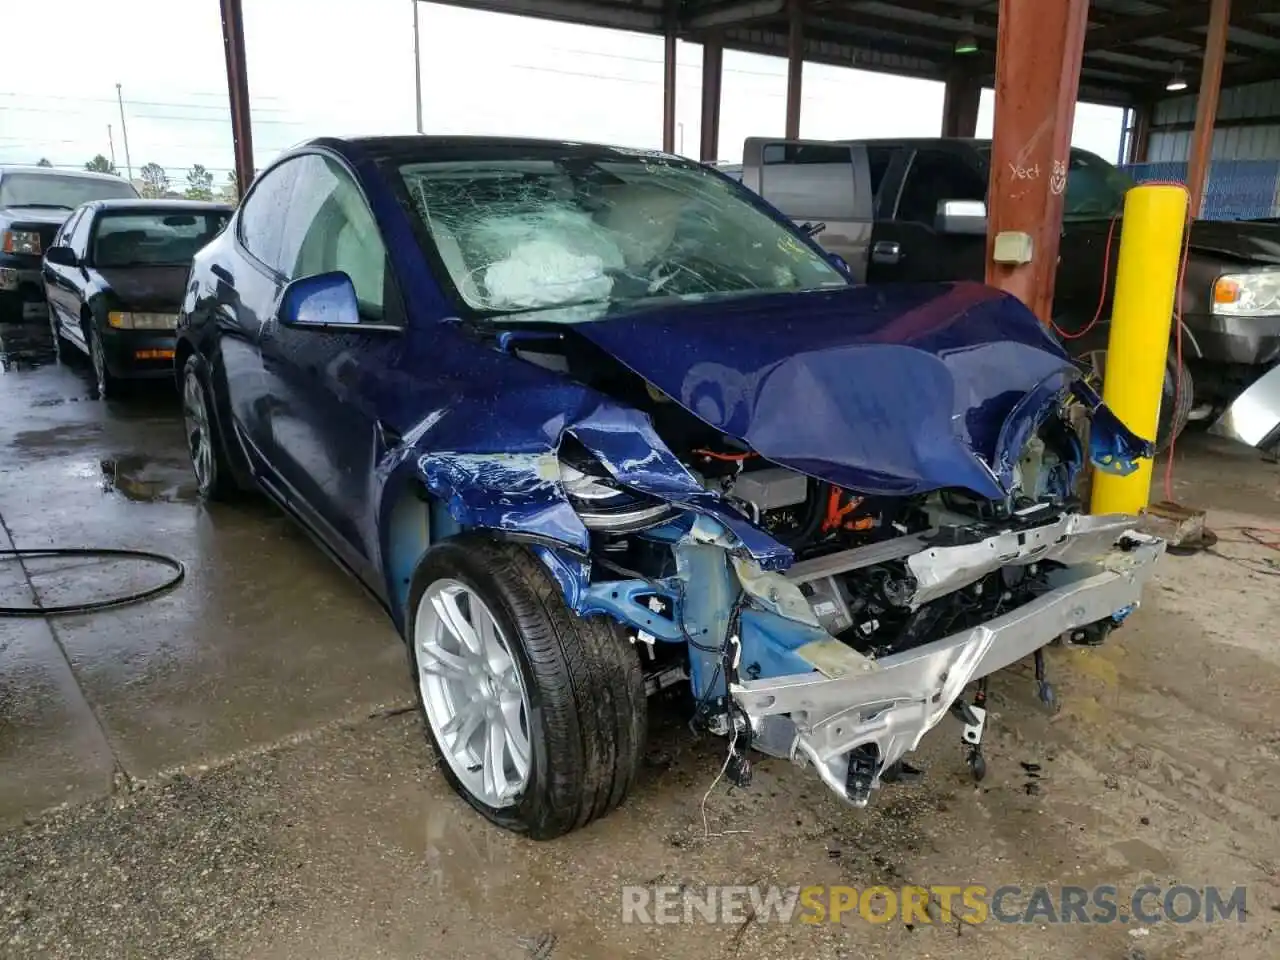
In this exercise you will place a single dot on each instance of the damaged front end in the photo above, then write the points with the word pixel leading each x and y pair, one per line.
pixel 827 593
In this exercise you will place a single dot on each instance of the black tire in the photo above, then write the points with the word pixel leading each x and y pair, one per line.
pixel 217 482
pixel 107 386
pixel 1175 403
pixel 588 712
pixel 60 343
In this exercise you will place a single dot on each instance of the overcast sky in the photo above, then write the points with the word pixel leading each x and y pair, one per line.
pixel 340 67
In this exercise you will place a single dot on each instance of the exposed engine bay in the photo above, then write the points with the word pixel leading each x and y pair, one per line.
pixel 885 608
pixel 868 606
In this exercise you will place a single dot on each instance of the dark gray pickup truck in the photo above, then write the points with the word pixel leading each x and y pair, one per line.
pixel 34 203
pixel 911 210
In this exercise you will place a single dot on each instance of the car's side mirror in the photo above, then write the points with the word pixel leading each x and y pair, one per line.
pixel 961 216
pixel 321 302
pixel 840 263
pixel 62 256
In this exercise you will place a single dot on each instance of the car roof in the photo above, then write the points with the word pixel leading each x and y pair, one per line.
pixel 55 171
pixel 141 203
pixel 428 148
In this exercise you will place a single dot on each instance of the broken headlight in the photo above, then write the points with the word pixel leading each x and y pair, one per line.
pixel 604 504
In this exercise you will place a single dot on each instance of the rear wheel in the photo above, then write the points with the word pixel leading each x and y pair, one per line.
pixel 1177 393
pixel 538 715
pixel 214 479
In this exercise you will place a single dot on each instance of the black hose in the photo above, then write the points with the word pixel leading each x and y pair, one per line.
pixel 179 572
pixel 819 492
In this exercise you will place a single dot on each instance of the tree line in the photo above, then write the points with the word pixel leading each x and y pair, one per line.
pixel 156 182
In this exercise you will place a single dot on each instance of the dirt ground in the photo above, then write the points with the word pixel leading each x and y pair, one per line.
pixel 235 770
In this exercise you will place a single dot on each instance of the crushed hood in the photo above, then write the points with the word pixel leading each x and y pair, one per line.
pixel 888 390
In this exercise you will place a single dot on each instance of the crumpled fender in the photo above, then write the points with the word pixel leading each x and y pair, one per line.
pixel 1113 447
pixel 520 493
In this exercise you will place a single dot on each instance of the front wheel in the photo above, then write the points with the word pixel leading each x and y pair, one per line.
pixel 55 332
pixel 1177 395
pixel 538 715
pixel 106 384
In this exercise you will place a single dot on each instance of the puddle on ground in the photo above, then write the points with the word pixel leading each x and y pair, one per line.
pixel 25 346
pixel 147 479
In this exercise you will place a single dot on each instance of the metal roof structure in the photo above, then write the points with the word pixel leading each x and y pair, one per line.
pixel 1131 48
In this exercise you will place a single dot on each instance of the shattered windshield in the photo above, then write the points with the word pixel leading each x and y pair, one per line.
pixel 526 234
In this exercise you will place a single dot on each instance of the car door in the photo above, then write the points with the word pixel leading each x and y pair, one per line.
pixel 326 385
pixel 60 282
pixel 245 300
pixel 907 244
pixel 817 183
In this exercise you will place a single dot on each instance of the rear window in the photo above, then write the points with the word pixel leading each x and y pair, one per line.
pixel 59 190
pixel 160 238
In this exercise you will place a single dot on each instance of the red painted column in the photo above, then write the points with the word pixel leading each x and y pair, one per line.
pixel 1215 51
pixel 669 84
pixel 238 89
pixel 795 66
pixel 1041 43
pixel 963 93
pixel 712 69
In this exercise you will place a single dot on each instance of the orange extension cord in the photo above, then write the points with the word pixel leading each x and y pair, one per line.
pixel 1177 312
pixel 1255 535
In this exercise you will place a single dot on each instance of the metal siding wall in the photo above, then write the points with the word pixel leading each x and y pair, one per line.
pixel 1233 143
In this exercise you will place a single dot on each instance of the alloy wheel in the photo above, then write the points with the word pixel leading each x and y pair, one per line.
pixel 99 364
pixel 195 416
pixel 473 693
pixel 55 334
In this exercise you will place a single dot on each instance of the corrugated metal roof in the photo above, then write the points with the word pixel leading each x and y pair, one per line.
pixel 1128 54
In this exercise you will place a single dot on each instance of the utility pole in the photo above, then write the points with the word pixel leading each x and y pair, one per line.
pixel 124 132
pixel 111 145
pixel 417 66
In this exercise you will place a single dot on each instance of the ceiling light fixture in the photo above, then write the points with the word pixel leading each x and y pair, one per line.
pixel 968 41
pixel 1177 81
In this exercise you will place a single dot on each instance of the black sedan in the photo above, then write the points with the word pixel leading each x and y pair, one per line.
pixel 114 279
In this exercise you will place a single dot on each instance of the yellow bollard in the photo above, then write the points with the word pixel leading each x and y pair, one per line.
pixel 1141 318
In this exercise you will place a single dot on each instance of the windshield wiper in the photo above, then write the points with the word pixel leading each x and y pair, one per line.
pixel 43 206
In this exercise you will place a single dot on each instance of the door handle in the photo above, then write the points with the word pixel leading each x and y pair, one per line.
pixel 886 252
pixel 221 272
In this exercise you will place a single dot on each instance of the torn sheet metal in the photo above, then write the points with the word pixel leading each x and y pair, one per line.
pixel 884 711
pixel 1072 538
pixel 513 493
pixel 1113 447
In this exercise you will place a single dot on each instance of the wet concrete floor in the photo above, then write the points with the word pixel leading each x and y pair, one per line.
pixel 231 770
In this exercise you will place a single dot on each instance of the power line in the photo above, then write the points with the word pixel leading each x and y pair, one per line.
pixel 156 116
pixel 139 103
